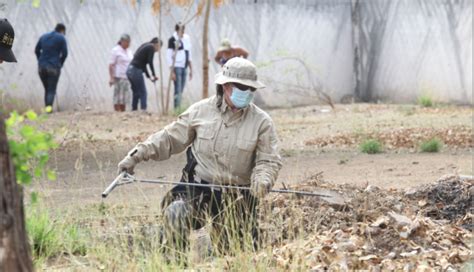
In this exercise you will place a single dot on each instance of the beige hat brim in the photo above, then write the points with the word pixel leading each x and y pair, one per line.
pixel 224 48
pixel 221 79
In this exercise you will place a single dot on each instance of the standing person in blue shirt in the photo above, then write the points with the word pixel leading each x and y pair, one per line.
pixel 178 57
pixel 51 52
pixel 143 57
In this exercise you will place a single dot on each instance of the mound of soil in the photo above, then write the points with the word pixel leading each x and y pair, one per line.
pixel 376 229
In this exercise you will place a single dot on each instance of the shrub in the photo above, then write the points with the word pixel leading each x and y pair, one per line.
pixel 51 238
pixel 29 147
pixel 371 146
pixel 432 145
pixel 425 101
pixel 43 233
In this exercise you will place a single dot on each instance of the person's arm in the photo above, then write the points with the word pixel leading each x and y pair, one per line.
pixel 268 161
pixel 63 51
pixel 112 63
pixel 187 47
pixel 38 49
pixel 190 70
pixel 169 58
pixel 150 55
pixel 217 58
pixel 173 139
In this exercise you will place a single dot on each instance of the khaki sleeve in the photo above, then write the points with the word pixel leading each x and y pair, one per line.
pixel 268 161
pixel 173 139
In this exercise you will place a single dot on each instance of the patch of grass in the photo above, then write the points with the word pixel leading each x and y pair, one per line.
pixel 74 240
pixel 43 233
pixel 432 146
pixel 371 146
pixel 407 110
pixel 288 152
pixel 425 101
pixel 343 161
pixel 50 238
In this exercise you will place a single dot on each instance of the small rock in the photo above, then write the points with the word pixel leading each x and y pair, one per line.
pixel 398 207
pixel 409 254
pixel 401 220
pixel 371 188
pixel 422 203
pixel 381 222
pixel 404 235
pixel 391 255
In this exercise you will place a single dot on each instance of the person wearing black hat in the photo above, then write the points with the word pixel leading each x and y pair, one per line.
pixel 7 35
pixel 51 52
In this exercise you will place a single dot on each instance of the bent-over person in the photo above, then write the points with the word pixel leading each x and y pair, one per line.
pixel 228 141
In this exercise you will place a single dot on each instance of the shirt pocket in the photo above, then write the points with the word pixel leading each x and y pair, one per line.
pixel 246 145
pixel 244 157
pixel 205 139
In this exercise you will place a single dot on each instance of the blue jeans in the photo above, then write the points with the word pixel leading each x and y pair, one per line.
pixel 137 82
pixel 49 77
pixel 179 85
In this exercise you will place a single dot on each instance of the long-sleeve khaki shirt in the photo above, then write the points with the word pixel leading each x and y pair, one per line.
pixel 230 147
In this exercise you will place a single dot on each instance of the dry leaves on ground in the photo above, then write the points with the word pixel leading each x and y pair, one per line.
pixel 376 229
pixel 459 136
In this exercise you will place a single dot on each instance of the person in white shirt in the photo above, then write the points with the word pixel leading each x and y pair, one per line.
pixel 120 58
pixel 178 57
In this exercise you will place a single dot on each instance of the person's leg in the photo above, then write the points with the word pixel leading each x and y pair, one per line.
pixel 44 79
pixel 178 87
pixel 249 220
pixel 133 83
pixel 184 208
pixel 143 93
pixel 52 82
pixel 123 89
pixel 236 225
pixel 116 97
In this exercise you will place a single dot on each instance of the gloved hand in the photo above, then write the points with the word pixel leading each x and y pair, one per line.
pixel 260 188
pixel 128 163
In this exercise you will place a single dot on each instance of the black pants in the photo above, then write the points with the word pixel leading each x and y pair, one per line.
pixel 233 215
pixel 49 77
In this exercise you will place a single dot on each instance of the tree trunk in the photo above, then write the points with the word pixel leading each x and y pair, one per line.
pixel 14 248
pixel 355 14
pixel 162 90
pixel 205 52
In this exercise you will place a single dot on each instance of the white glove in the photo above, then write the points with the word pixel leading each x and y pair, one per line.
pixel 260 188
pixel 129 162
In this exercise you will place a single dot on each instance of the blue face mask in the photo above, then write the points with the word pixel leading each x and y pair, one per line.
pixel 241 99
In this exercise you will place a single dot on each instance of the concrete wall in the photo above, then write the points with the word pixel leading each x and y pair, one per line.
pixel 405 48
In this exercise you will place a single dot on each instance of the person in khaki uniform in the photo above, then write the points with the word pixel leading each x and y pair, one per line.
pixel 229 141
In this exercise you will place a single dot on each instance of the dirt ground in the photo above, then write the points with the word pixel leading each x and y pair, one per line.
pixel 313 139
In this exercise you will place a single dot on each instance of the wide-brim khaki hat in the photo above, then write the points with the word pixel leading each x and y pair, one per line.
pixel 239 70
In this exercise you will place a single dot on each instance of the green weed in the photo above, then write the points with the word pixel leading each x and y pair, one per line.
pixel 371 146
pixel 43 233
pixel 432 146
pixel 425 101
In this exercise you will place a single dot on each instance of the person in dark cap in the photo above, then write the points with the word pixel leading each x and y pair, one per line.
pixel 51 52
pixel 7 35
